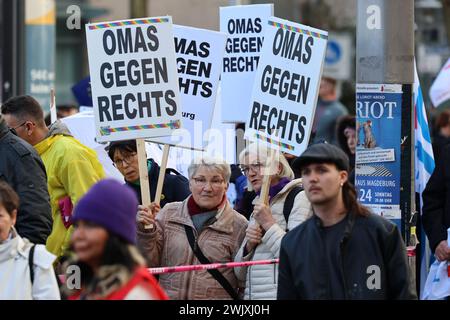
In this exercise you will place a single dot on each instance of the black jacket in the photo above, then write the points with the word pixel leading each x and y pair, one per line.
pixel 175 187
pixel 436 201
pixel 366 242
pixel 22 168
pixel 439 143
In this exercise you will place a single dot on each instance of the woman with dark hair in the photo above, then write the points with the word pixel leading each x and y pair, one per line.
pixel 26 270
pixel 124 156
pixel 442 137
pixel 103 242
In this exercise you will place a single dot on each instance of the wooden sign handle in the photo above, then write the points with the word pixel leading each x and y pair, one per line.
pixel 268 172
pixel 162 173
pixel 53 115
pixel 143 175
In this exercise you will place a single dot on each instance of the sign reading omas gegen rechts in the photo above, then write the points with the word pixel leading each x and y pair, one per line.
pixel 245 26
pixel 134 78
pixel 286 85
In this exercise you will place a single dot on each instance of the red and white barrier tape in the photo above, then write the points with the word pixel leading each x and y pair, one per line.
pixel 210 266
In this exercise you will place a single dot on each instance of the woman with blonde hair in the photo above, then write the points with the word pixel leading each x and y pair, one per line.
pixel 288 207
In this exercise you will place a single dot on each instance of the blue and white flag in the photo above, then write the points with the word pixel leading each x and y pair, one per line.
pixel 424 166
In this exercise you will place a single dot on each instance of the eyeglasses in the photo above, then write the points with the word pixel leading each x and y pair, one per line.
pixel 20 125
pixel 127 159
pixel 255 167
pixel 202 182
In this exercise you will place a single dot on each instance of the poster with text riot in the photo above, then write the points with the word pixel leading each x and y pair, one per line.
pixel 245 26
pixel 378 148
pixel 286 86
pixel 133 78
pixel 199 54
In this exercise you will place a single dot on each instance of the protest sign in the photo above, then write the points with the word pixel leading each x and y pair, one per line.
pixel 133 78
pixel 245 26
pixel 286 85
pixel 199 54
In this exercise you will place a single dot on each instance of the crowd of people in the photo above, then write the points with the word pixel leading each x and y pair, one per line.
pixel 60 214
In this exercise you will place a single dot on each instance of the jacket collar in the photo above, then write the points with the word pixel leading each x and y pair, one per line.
pixel 44 145
pixel 223 223
pixel 14 247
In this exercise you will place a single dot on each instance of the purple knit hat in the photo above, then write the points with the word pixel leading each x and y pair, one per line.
pixel 111 205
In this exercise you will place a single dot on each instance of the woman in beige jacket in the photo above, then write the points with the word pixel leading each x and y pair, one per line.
pixel 218 231
pixel 267 224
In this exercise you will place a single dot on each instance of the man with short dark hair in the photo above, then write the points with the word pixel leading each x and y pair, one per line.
pixel 22 168
pixel 72 167
pixel 344 251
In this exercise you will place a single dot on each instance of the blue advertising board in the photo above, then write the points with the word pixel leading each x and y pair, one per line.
pixel 378 150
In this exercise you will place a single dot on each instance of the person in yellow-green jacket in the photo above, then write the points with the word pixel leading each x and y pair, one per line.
pixel 72 168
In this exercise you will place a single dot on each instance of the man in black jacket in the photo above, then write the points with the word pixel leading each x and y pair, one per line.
pixel 436 207
pixel 22 168
pixel 124 156
pixel 343 251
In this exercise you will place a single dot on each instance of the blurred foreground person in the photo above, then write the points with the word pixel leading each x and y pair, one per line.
pixel 103 241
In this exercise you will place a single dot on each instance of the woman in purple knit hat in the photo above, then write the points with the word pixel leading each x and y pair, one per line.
pixel 103 241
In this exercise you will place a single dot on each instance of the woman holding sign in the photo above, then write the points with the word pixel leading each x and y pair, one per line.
pixel 288 207
pixel 201 229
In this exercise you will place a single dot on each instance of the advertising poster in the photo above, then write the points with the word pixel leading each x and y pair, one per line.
pixel 378 145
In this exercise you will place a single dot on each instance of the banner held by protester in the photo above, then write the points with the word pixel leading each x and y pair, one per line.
pixel 245 26
pixel 133 78
pixel 199 54
pixel 286 85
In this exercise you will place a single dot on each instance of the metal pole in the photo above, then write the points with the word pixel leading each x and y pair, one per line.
pixel 385 55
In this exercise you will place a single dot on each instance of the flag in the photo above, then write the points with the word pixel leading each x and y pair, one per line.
pixel 440 90
pixel 424 166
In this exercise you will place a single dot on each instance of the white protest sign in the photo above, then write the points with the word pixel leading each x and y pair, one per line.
pixel 440 89
pixel 199 54
pixel 133 78
pixel 286 85
pixel 245 26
